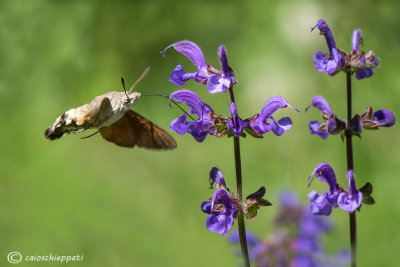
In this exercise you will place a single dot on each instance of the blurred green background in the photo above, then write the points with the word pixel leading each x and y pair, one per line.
pixel 132 207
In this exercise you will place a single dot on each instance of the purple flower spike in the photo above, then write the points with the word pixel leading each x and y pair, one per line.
pixel 320 103
pixel 260 125
pixel 217 177
pixel 235 124
pixel 220 83
pixel 385 118
pixel 197 128
pixel 194 53
pixel 321 61
pixel 221 221
pixel 351 201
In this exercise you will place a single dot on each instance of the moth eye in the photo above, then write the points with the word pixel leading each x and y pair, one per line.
pixel 127 99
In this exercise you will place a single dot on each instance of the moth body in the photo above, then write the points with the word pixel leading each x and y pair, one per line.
pixel 102 111
pixel 117 123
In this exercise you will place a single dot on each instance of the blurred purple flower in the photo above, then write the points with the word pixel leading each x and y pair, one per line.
pixel 296 240
pixel 217 81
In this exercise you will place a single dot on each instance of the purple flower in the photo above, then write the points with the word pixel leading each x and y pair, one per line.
pixel 217 177
pixel 352 200
pixel 337 196
pixel 324 62
pixel 334 125
pixel 217 81
pixel 235 124
pixel 259 122
pixel 197 128
pixel 222 212
pixel 315 128
pixel 323 204
pixel 385 118
pixel 367 62
pixel 251 238
pixel 220 82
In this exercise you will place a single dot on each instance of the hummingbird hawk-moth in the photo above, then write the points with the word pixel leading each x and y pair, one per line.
pixel 110 113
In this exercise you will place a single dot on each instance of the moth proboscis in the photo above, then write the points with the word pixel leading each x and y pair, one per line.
pixel 110 113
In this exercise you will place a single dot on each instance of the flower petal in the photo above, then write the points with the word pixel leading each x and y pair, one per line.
pixel 282 126
pixel 226 70
pixel 217 84
pixel 206 207
pixel 364 73
pixel 192 100
pixel 198 134
pixel 320 103
pixel 223 221
pixel 326 31
pixel 314 129
pixel 325 173
pixel 191 51
pixel 355 41
pixel 319 204
pixel 180 125
pixel 349 203
pixel 385 118
pixel 259 125
pixel 179 77
pixel 216 176
pixel 235 124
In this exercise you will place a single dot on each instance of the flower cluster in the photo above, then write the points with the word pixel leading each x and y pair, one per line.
pixel 337 196
pixel 296 241
pixel 363 64
pixel 224 205
pixel 334 125
pixel 210 123
pixel 218 81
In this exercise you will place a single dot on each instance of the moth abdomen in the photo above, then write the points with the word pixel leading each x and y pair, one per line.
pixel 52 135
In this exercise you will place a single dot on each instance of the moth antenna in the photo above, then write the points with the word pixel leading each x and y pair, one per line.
pixel 93 134
pixel 123 85
pixel 140 78
pixel 173 101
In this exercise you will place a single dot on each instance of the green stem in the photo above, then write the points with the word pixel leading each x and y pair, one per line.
pixel 240 216
pixel 350 166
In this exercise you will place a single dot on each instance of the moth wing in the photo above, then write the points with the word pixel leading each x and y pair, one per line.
pixel 134 129
pixel 120 133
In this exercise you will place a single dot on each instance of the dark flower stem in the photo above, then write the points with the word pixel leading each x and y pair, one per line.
pixel 240 217
pixel 350 166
